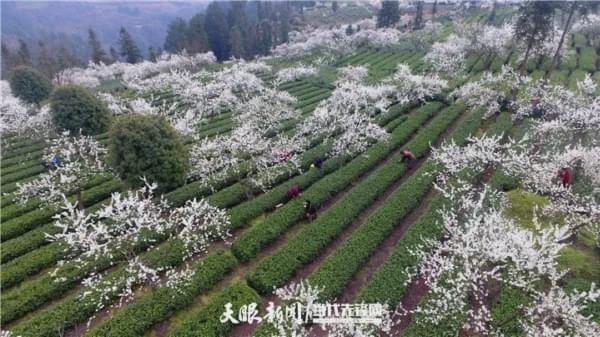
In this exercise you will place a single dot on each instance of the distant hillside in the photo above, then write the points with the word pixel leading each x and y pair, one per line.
pixel 68 22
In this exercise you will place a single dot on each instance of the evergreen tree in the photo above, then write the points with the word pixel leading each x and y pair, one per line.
pixel 46 62
pixel 147 145
pixel 418 24
pixel 285 24
pixel 151 54
pixel 534 25
pixel 334 6
pixel 349 30
pixel 23 54
pixel 30 85
pixel 196 35
pixel 9 61
pixel 237 43
pixel 265 37
pixel 114 55
pixel 176 39
pixel 217 31
pixel 127 47
pixel 434 9
pixel 76 109
pixel 66 59
pixel 492 15
pixel 389 14
pixel 98 53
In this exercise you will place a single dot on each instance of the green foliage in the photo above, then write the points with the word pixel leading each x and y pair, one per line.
pixel 128 48
pixel 534 22
pixel 205 322
pixel 588 59
pixel 217 31
pixel 75 108
pixel 147 146
pixel 98 53
pixel 507 307
pixel 497 63
pixel 160 304
pixel 579 40
pixel 30 85
pixel 339 267
pixel 176 39
pixel 569 62
pixel 502 181
pixel 521 207
pixel 24 173
pixel 559 77
pixel 582 264
pixel 576 76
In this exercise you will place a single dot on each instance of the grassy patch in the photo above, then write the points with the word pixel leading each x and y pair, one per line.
pixel 582 263
pixel 521 205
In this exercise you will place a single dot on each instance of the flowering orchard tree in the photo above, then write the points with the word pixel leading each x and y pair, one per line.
pixel 537 171
pixel 118 230
pixel 294 73
pixel 558 111
pixel 114 228
pixel 448 57
pixel 74 161
pixel 492 91
pixel 416 88
pixel 336 41
pixel 18 117
pixel 590 25
pixel 345 117
pixel 557 313
pixel 255 143
pixel 94 74
pixel 352 74
pixel 481 246
pixel 203 94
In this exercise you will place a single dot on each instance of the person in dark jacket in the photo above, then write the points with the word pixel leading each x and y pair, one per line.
pixel 318 162
pixel 310 212
pixel 409 158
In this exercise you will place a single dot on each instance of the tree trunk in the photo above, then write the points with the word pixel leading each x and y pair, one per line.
pixel 562 40
pixel 80 200
pixel 524 63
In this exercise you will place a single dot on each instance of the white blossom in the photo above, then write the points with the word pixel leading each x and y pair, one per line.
pixel 79 159
pixel 294 73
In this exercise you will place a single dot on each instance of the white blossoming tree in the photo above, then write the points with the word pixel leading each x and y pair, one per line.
pixel 294 73
pixel 128 223
pixel 18 117
pixel 493 91
pixel 73 161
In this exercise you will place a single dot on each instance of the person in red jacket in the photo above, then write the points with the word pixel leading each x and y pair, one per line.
pixel 566 176
pixel 293 192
